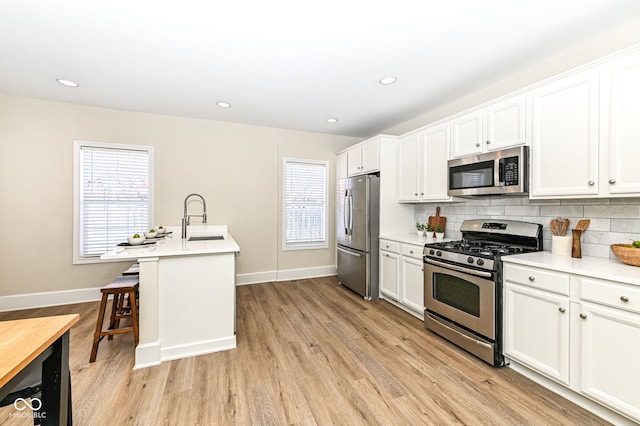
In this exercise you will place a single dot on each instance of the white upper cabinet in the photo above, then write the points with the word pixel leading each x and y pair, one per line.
pixel 623 177
pixel 409 149
pixel 341 166
pixel 467 135
pixel 422 165
pixel 494 127
pixel 564 146
pixel 364 158
pixel 586 133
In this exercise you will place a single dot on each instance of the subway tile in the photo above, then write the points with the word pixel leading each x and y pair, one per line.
pixel 507 201
pixel 613 211
pixel 584 201
pixel 492 210
pixel 625 201
pixel 527 202
pixel 625 225
pixel 478 201
pixel 595 250
pixel 562 211
pixel 522 210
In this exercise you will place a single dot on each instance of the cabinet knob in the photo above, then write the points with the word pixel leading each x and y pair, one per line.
pixel 422 193
pixel 562 310
pixel 583 316
pixel 411 251
pixel 478 144
pixel 416 194
pixel 612 181
pixel 387 245
pixel 591 183
pixel 624 298
pixel 488 142
pixel 386 254
pixel 532 278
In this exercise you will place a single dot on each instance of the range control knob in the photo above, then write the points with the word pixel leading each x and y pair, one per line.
pixel 432 251
pixel 438 253
pixel 480 262
pixel 469 259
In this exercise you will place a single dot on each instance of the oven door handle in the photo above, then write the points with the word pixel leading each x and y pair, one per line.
pixel 476 341
pixel 458 268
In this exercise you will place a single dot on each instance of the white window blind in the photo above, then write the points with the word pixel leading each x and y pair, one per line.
pixel 113 197
pixel 305 204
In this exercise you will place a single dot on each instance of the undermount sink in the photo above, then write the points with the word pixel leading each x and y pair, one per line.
pixel 206 238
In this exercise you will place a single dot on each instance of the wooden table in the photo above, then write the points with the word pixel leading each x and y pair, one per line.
pixel 38 346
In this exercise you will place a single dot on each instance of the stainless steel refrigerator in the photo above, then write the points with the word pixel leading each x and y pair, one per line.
pixel 358 221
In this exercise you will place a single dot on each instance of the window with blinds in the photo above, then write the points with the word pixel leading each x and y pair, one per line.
pixel 305 204
pixel 113 196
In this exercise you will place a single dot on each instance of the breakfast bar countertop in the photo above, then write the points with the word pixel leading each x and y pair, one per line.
pixel 178 275
pixel 174 245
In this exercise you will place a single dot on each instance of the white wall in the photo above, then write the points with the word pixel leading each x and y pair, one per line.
pixel 235 167
pixel 590 50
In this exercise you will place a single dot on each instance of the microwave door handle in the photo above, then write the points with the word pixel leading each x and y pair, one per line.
pixel 500 180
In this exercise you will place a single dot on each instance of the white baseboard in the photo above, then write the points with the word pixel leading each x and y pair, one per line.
pixel 285 275
pixel 66 297
pixel 49 298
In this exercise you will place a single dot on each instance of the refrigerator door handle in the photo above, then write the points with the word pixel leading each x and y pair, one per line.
pixel 345 212
pixel 350 214
pixel 349 252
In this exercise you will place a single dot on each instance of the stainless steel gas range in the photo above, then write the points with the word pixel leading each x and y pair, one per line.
pixel 463 283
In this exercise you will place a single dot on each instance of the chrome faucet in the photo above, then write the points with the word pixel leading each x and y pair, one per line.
pixel 186 218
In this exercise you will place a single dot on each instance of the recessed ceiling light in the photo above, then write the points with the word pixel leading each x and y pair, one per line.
pixel 223 104
pixel 388 80
pixel 332 120
pixel 68 83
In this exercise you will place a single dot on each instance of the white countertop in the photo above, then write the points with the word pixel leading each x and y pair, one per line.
pixel 174 245
pixel 411 239
pixel 597 267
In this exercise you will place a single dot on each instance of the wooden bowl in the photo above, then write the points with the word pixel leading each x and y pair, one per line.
pixel 627 253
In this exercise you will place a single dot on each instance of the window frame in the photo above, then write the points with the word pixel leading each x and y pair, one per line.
pixel 77 173
pixel 306 245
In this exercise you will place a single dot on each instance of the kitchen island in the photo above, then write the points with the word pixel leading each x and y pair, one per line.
pixel 187 294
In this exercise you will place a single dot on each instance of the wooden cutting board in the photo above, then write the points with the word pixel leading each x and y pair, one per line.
pixel 437 220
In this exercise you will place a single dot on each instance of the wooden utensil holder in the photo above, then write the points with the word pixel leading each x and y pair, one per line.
pixel 576 250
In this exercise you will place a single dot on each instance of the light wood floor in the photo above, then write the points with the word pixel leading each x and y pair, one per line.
pixel 309 352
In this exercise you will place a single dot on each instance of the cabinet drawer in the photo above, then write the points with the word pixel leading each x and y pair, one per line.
pixel 543 279
pixel 412 251
pixel 610 293
pixel 390 246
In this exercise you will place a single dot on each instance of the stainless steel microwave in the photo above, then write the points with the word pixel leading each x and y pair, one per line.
pixel 497 172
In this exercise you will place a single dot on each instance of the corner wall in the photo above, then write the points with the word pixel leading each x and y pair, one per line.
pixel 234 166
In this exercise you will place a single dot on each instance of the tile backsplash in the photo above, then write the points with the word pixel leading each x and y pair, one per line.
pixel 613 220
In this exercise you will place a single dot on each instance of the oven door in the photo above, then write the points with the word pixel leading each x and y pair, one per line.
pixel 466 297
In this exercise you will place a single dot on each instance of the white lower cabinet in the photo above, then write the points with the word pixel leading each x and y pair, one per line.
pixel 412 278
pixel 389 274
pixel 537 330
pixel 401 277
pixel 584 335
pixel 610 357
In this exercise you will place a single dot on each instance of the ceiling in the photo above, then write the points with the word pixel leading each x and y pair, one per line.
pixel 285 63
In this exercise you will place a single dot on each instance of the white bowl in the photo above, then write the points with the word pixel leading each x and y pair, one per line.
pixel 150 234
pixel 160 229
pixel 135 241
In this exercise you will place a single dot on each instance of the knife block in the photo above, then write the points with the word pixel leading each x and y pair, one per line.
pixel 576 249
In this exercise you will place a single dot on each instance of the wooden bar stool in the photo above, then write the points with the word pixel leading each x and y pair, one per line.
pixel 133 270
pixel 121 286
